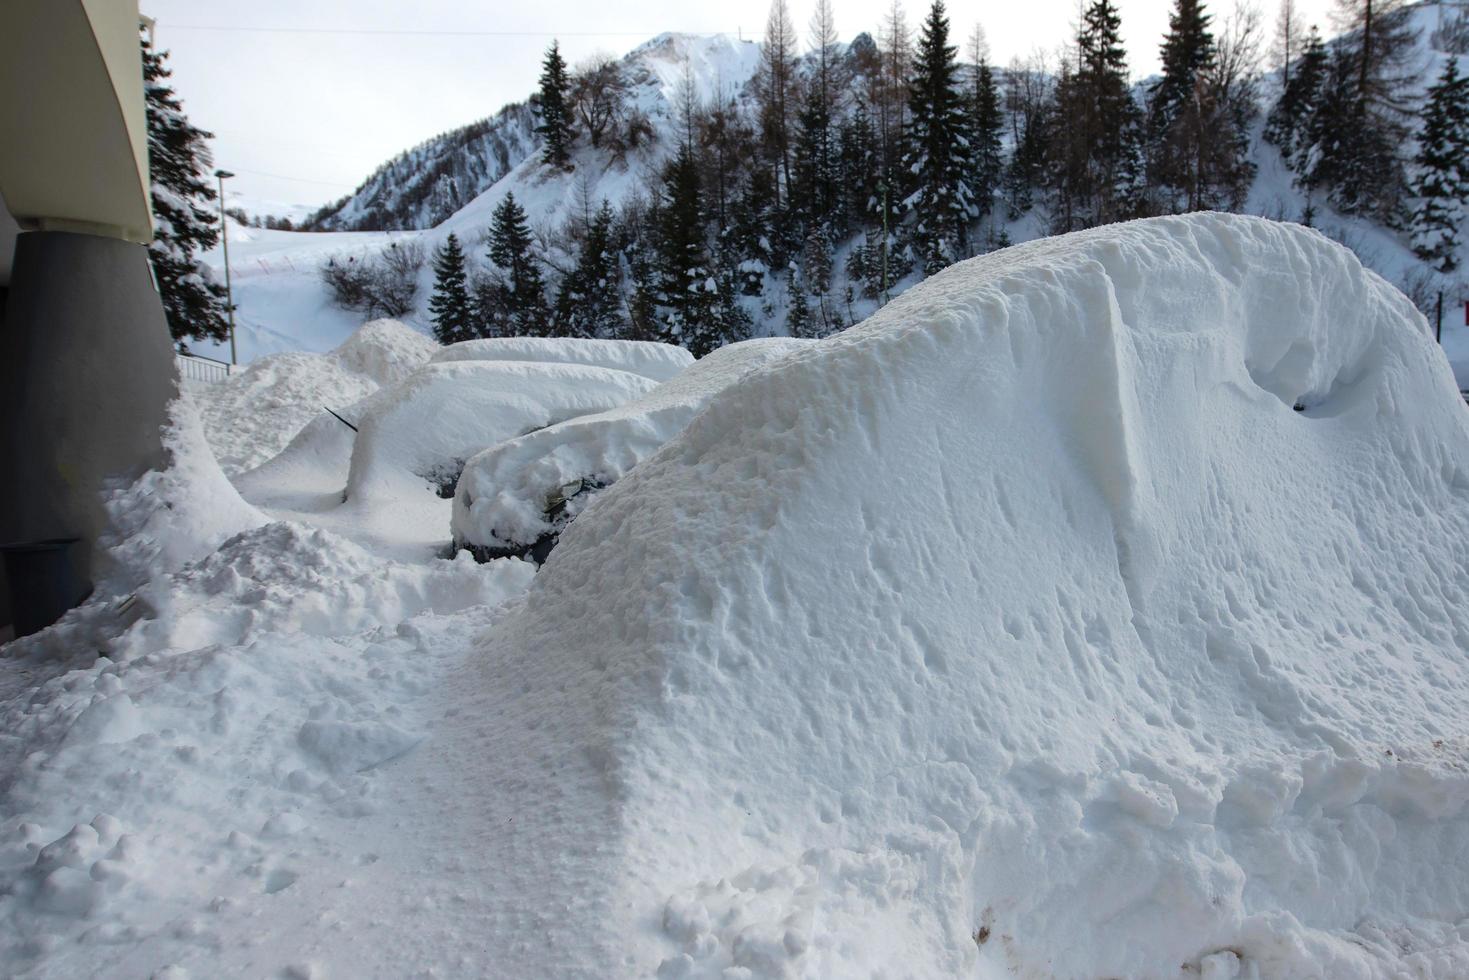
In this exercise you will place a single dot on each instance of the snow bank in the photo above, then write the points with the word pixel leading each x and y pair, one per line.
pixel 250 416
pixel 651 360
pixel 523 492
pixel 172 516
pixel 1024 628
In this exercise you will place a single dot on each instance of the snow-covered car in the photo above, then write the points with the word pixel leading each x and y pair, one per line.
pixel 383 464
pixel 425 428
pixel 516 497
pixel 645 357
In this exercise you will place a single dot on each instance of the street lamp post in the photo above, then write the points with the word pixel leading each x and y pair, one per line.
pixel 224 232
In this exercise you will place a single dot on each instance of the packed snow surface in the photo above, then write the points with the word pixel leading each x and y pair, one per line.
pixel 506 495
pixel 652 360
pixel 1025 629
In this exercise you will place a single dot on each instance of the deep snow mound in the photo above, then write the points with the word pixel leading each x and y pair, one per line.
pixel 1024 628
pixel 387 351
pixel 645 357
pixel 252 415
pixel 521 493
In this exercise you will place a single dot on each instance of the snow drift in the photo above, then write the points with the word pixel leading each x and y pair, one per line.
pixel 1024 628
pixel 522 492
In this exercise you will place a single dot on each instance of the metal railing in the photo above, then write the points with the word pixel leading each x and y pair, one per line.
pixel 196 367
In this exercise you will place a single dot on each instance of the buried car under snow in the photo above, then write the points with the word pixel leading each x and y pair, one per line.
pixel 515 498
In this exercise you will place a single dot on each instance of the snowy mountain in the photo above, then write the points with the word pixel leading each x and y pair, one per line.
pixel 283 306
pixel 426 184
pixel 422 186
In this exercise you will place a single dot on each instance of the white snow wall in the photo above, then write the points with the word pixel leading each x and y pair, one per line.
pixel 1025 625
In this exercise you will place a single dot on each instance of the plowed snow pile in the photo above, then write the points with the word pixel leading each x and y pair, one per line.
pixel 1022 629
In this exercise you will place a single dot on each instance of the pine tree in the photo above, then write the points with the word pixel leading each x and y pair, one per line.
pixel 554 108
pixel 450 305
pixel 590 302
pixel 686 287
pixel 1352 153
pixel 753 233
pixel 1181 110
pixel 817 265
pixel 1031 109
pixel 521 296
pixel 892 121
pixel 799 321
pixel 986 123
pixel 1289 117
pixel 777 94
pixel 1368 105
pixel 1095 132
pixel 814 165
pixel 184 219
pixel 938 156
pixel 859 171
pixel 1443 170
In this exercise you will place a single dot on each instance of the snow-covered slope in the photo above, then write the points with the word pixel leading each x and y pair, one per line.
pixel 1024 628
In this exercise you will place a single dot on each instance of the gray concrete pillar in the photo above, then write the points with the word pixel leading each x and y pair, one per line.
pixel 86 374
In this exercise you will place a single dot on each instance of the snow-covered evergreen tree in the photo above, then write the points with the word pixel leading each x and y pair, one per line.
pixel 1362 125
pixel 814 162
pixel 520 301
pixel 184 218
pixel 554 108
pixel 450 305
pixel 938 158
pixel 590 301
pixel 859 171
pixel 1094 157
pixel 1352 152
pixel 687 290
pixel 1285 126
pixel 817 265
pixel 799 321
pixel 987 124
pixel 1442 188
pixel 1182 118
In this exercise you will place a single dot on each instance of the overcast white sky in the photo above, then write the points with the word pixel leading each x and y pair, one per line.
pixel 303 109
